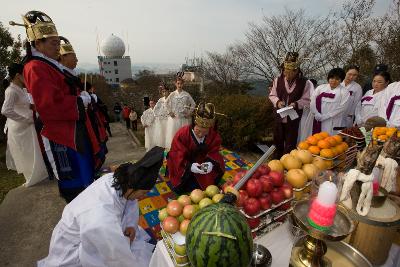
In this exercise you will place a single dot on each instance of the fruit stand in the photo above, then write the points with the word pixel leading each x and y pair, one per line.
pixel 266 199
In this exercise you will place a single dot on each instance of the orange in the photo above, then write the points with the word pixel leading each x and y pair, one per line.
pixel 383 137
pixel 314 150
pixel 312 140
pixel 318 136
pixel 339 149
pixel 327 153
pixel 328 163
pixel 324 144
pixel 345 146
pixel 338 138
pixel 303 145
pixel 324 134
pixel 331 140
pixel 380 130
pixel 335 151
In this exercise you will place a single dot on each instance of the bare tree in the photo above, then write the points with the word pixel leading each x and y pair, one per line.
pixel 267 43
pixel 225 68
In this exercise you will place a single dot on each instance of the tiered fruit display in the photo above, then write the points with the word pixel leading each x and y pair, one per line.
pixel 261 192
pixel 325 146
pixel 218 235
pixel 382 134
pixel 178 213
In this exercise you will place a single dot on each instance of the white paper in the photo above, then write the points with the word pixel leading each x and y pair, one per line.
pixel 288 111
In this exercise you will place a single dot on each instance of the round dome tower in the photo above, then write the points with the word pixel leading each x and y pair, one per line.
pixel 113 46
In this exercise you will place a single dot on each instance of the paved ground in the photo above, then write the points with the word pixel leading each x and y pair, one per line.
pixel 28 215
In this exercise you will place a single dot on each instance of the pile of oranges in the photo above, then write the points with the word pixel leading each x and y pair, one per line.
pixel 384 133
pixel 321 144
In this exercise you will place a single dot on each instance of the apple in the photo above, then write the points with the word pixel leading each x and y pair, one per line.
pixel 277 196
pixel 180 249
pixel 256 174
pixel 183 227
pixel 254 187
pixel 189 211
pixel 264 169
pixel 253 222
pixel 205 202
pixel 243 196
pixel 217 198
pixel 212 190
pixel 267 183
pixel 238 176
pixel 277 178
pixel 252 206
pixel 184 200
pixel 174 208
pixel 287 190
pixel 196 195
pixel 225 185
pixel 162 214
pixel 170 225
pixel 265 201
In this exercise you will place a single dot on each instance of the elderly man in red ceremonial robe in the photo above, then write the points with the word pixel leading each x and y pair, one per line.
pixel 289 89
pixel 194 160
pixel 60 110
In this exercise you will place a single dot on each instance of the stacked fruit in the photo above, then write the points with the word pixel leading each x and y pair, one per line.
pixel 176 216
pixel 382 134
pixel 264 190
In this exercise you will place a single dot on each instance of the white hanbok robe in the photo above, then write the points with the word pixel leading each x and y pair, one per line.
pixel 181 105
pixel 355 91
pixel 22 141
pixel 332 109
pixel 391 105
pixel 307 118
pixel 370 105
pixel 160 122
pixel 147 120
pixel 91 231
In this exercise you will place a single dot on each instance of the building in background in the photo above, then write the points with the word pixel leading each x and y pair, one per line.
pixel 113 65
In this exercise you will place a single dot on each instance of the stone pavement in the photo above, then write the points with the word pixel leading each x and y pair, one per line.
pixel 28 215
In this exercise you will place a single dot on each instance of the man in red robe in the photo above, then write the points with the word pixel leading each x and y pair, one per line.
pixel 194 160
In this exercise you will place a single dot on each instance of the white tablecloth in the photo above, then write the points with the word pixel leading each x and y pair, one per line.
pixel 278 241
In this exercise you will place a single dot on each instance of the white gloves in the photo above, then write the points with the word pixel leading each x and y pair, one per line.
pixel 196 168
pixel 204 168
pixel 85 98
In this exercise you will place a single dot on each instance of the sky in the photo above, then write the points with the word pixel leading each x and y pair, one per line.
pixel 159 31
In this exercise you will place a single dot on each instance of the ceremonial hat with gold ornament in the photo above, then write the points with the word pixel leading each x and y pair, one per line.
pixel 38 25
pixel 205 115
pixel 291 61
pixel 65 46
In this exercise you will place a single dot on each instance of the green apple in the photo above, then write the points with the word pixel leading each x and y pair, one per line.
pixel 212 190
pixel 205 202
pixel 217 198
pixel 162 214
pixel 180 250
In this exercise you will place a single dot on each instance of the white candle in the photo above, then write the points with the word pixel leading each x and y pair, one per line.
pixel 327 193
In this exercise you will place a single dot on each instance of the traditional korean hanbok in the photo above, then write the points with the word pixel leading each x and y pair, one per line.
pixel 370 105
pixel 355 91
pixel 91 231
pixel 391 105
pixel 328 107
pixel 160 122
pixel 181 104
pixel 147 120
pixel 22 142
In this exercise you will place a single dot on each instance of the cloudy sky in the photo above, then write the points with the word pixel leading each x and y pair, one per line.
pixel 159 31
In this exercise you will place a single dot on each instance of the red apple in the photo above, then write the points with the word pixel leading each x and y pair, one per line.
pixel 243 196
pixel 254 187
pixel 252 206
pixel 189 211
pixel 267 183
pixel 264 169
pixel 170 225
pixel 253 222
pixel 277 196
pixel 265 201
pixel 238 176
pixel 277 178
pixel 174 208
pixel 287 190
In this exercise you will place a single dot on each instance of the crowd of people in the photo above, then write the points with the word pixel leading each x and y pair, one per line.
pixel 340 103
